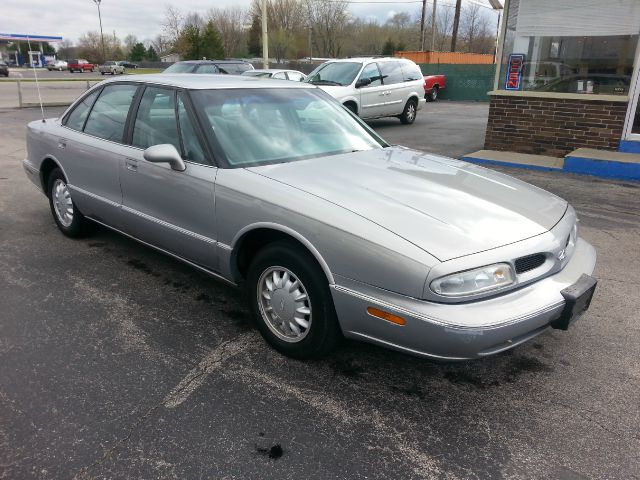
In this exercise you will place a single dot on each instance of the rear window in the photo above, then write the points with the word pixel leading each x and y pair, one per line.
pixel 235 67
pixel 179 68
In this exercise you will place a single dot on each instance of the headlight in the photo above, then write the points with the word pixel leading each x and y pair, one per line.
pixel 474 281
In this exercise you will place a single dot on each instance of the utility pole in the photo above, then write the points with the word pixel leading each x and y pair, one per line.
pixel 424 12
pixel 456 22
pixel 433 27
pixel 97 2
pixel 265 36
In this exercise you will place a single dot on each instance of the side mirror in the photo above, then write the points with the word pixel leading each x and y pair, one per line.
pixel 165 153
pixel 363 82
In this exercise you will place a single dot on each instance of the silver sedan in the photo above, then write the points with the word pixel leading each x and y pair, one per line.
pixel 276 187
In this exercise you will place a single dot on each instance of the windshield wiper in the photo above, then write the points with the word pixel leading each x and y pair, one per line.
pixel 325 82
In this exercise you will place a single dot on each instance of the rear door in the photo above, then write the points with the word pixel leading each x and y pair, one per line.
pixel 92 148
pixel 373 97
pixel 170 209
pixel 393 81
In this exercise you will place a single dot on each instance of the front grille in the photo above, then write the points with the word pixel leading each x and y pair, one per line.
pixel 524 264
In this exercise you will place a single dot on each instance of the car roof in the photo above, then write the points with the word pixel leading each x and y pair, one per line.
pixel 199 81
pixel 204 62
pixel 273 70
pixel 364 59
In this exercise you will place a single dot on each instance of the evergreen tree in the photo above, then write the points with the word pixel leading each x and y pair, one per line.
pixel 254 41
pixel 211 45
pixel 388 48
pixel 190 43
pixel 137 52
pixel 151 54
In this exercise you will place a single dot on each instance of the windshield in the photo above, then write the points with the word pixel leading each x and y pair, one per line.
pixel 179 68
pixel 261 126
pixel 334 73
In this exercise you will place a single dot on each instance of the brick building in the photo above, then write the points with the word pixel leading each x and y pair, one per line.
pixel 567 77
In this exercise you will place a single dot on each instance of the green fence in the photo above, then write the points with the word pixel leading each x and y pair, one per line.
pixel 464 82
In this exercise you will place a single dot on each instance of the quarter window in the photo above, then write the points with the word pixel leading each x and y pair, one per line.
pixel 373 72
pixel 156 119
pixel 391 72
pixel 109 113
pixel 79 114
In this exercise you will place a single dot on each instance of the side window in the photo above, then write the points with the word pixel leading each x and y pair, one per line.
pixel 207 68
pixel 391 72
pixel 280 76
pixel 410 71
pixel 191 144
pixel 295 76
pixel 156 119
pixel 372 72
pixel 79 114
pixel 109 113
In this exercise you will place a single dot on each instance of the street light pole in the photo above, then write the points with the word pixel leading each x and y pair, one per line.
pixel 97 2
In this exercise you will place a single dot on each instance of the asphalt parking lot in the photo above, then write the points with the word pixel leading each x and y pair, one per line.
pixel 118 362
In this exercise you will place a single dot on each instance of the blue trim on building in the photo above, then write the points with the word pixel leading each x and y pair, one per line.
pixel 580 165
pixel 24 37
pixel 629 146
pixel 484 161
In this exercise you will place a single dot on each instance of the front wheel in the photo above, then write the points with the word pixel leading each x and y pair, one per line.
pixel 68 218
pixel 409 113
pixel 291 302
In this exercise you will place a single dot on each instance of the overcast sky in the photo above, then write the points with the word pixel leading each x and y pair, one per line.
pixel 143 18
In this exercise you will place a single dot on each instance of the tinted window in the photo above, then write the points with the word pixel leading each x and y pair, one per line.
pixel 78 115
pixel 391 72
pixel 192 150
pixel 156 119
pixel 235 68
pixel 410 71
pixel 207 68
pixel 109 113
pixel 372 72
pixel 179 67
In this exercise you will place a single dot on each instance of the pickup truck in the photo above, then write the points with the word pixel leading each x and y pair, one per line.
pixel 80 65
pixel 432 86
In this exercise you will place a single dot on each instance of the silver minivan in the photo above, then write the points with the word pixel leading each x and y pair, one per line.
pixel 373 87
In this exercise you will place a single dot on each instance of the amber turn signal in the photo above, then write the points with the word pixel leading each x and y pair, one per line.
pixel 389 317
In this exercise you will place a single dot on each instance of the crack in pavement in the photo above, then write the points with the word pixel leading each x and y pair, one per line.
pixel 194 379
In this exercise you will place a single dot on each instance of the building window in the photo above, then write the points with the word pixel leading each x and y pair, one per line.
pixel 571 46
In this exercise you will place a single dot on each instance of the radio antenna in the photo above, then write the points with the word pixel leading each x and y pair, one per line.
pixel 35 74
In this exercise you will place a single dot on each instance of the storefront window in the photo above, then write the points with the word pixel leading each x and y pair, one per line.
pixel 570 46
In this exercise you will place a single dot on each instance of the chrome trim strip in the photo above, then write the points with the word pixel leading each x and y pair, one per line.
pixel 177 257
pixel 93 195
pixel 184 231
pixel 426 318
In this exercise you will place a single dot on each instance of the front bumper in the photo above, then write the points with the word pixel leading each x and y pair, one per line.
pixel 459 331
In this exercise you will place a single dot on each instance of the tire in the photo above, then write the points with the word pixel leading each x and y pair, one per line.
pixel 59 195
pixel 409 113
pixel 433 96
pixel 322 333
pixel 351 107
pixel 101 73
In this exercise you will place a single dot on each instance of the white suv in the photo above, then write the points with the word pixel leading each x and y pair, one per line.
pixel 373 87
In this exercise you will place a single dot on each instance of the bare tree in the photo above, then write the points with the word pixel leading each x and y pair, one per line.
pixel 328 20
pixel 230 22
pixel 172 24
pixel 444 20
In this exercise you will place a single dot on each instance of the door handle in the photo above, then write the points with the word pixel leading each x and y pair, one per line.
pixel 62 143
pixel 131 165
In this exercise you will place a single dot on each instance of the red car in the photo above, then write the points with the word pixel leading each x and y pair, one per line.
pixel 80 65
pixel 432 86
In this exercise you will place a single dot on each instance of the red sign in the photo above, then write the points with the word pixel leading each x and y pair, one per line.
pixel 514 71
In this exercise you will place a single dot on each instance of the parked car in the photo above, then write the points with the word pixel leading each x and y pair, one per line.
pixel 111 67
pixel 59 65
pixel 373 87
pixel 80 65
pixel 4 68
pixel 331 230
pixel 432 86
pixel 277 74
pixel 233 67
pixel 127 64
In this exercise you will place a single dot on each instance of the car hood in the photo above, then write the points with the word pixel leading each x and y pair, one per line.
pixel 447 207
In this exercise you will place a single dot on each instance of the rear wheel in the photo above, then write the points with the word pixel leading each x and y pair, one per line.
pixel 291 302
pixel 409 113
pixel 68 218
pixel 433 95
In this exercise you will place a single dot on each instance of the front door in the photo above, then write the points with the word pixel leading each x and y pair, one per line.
pixel 173 210
pixel 373 97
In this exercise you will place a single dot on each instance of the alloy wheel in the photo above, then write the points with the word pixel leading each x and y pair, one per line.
pixel 62 203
